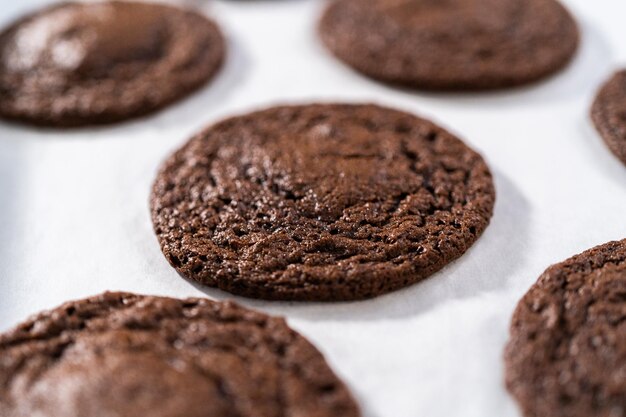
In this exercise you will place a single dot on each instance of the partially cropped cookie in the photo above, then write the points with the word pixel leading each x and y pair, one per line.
pixel 567 352
pixel 609 114
pixel 320 202
pixel 76 64
pixel 451 44
pixel 128 355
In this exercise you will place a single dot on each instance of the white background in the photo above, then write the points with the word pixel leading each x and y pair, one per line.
pixel 74 217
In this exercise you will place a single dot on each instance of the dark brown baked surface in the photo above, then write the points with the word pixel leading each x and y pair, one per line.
pixel 320 202
pixel 128 355
pixel 609 114
pixel 76 64
pixel 567 352
pixel 451 44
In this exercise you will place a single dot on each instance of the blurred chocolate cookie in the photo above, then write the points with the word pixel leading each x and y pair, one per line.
pixel 451 44
pixel 320 202
pixel 127 355
pixel 567 352
pixel 76 64
pixel 609 114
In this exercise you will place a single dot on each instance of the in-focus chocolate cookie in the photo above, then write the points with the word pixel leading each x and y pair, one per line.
pixel 451 44
pixel 567 352
pixel 76 64
pixel 609 114
pixel 128 355
pixel 320 202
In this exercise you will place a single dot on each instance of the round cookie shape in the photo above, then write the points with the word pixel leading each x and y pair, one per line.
pixel 609 114
pixel 567 351
pixel 451 44
pixel 320 202
pixel 77 64
pixel 130 355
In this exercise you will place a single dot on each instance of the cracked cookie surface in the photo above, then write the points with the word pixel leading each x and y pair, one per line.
pixel 76 64
pixel 567 353
pixel 129 355
pixel 451 44
pixel 609 114
pixel 320 202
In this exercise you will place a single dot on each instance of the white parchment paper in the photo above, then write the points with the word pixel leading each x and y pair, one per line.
pixel 74 217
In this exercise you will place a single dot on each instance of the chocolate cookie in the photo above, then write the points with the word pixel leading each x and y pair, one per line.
pixel 451 44
pixel 320 202
pixel 609 114
pixel 567 353
pixel 128 355
pixel 78 64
